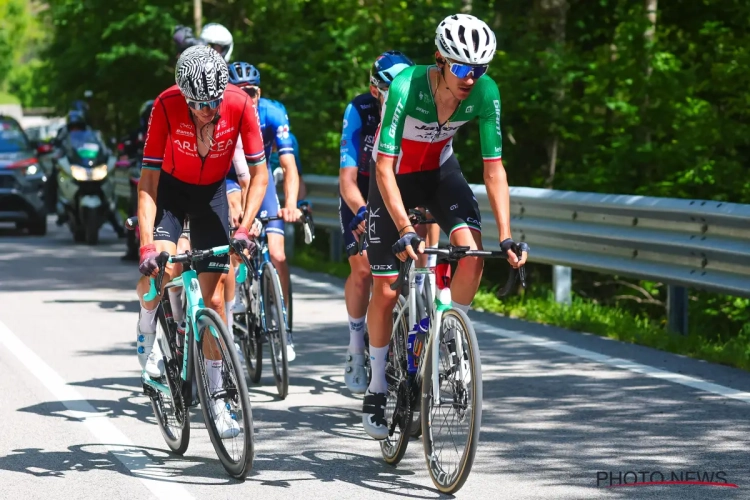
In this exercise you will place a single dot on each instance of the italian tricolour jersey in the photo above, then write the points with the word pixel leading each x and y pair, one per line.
pixel 410 132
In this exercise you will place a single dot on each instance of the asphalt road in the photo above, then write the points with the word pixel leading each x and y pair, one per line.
pixel 561 409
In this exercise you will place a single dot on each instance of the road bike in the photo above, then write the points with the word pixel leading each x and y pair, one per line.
pixel 264 320
pixel 434 367
pixel 224 399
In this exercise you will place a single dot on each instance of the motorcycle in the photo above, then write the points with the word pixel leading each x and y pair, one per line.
pixel 85 193
pixel 126 176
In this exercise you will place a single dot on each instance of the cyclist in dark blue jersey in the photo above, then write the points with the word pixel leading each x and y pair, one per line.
pixel 361 121
pixel 274 124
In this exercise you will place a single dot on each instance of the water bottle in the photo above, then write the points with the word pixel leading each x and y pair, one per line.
pixel 411 359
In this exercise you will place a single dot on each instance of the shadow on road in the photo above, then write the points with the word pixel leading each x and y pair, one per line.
pixel 55 262
pixel 131 306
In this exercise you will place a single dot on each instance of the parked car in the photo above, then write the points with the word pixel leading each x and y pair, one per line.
pixel 22 179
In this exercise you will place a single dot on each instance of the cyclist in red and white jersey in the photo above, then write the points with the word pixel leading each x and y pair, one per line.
pixel 192 132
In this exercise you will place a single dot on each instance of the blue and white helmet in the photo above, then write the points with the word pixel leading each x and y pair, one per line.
pixel 201 74
pixel 386 67
pixel 242 73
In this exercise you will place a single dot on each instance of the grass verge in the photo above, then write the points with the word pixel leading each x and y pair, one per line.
pixel 6 98
pixel 582 315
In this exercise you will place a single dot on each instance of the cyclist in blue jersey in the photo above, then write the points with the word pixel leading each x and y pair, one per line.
pixel 278 172
pixel 274 124
pixel 361 121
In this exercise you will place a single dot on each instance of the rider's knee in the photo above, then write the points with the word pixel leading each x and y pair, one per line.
pixel 360 270
pixel 217 299
pixel 383 298
pixel 277 255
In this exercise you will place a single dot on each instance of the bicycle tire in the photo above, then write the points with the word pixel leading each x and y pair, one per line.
pixel 240 467
pixel 290 306
pixel 252 346
pixel 444 482
pixel 393 450
pixel 177 443
pixel 274 305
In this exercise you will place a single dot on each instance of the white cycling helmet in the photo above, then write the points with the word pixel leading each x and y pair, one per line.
pixel 216 34
pixel 201 74
pixel 465 39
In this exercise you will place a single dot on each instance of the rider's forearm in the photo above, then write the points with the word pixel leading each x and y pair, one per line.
pixel 291 180
pixel 350 190
pixel 386 179
pixel 147 187
pixel 255 193
pixel 244 187
pixel 498 192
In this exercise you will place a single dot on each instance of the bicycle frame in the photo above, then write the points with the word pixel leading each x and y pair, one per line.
pixel 438 304
pixel 193 299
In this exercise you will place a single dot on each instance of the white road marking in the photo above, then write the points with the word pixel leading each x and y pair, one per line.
pixel 97 423
pixel 555 345
pixel 624 364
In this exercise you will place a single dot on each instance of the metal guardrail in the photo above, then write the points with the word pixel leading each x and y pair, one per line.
pixel 680 242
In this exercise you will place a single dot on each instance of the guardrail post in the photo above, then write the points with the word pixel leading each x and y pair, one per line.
pixel 336 243
pixel 562 278
pixel 677 309
pixel 289 240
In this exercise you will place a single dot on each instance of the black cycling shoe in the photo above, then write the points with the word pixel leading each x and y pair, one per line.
pixel 373 415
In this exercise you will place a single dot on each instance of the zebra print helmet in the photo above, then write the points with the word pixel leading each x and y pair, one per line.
pixel 201 74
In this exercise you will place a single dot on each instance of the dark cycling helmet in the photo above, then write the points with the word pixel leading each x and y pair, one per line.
pixel 184 39
pixel 75 119
pixel 146 112
pixel 387 66
pixel 242 73
pixel 201 74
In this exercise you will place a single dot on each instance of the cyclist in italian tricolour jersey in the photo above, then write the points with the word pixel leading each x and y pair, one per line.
pixel 361 120
pixel 274 124
pixel 192 131
pixel 415 166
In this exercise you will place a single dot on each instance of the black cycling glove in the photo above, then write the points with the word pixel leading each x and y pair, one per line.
pixel 407 239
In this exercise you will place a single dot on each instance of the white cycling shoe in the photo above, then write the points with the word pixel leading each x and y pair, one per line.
pixel 355 374
pixel 226 426
pixel 291 354
pixel 150 356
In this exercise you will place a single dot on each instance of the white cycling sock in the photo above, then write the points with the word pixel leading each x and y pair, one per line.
pixel 237 293
pixel 357 335
pixel 464 308
pixel 147 322
pixel 228 311
pixel 213 372
pixel 378 359
pixel 419 281
pixel 175 300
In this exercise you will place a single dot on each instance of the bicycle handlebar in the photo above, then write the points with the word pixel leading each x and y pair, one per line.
pixel 453 253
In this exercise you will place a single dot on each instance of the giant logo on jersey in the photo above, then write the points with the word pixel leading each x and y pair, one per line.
pixel 396 116
pixel 497 116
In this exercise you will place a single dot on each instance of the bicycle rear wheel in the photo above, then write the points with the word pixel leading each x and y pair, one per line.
pixel 450 458
pixel 223 394
pixel 398 401
pixel 275 327
pixel 171 412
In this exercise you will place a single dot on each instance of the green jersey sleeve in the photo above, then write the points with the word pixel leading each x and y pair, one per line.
pixel 489 121
pixel 392 123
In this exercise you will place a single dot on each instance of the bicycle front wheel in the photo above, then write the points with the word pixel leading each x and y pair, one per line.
pixel 171 411
pixel 451 424
pixel 275 327
pixel 398 409
pixel 223 394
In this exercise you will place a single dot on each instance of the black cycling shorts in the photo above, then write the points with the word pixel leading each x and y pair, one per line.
pixel 208 211
pixel 444 192
pixel 346 215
